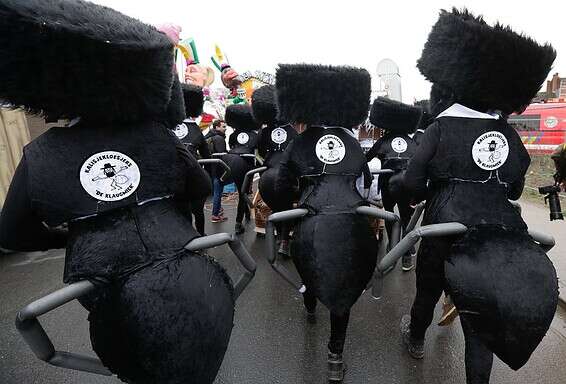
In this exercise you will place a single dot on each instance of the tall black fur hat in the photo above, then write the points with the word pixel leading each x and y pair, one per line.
pixel 322 94
pixel 64 58
pixel 486 67
pixel 176 107
pixel 194 99
pixel 239 116
pixel 394 116
pixel 264 107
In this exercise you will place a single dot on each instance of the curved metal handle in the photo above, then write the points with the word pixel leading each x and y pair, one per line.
pixel 291 214
pixel 416 216
pixel 37 339
pixel 227 170
pixel 545 241
pixel 246 183
pixel 245 259
pixel 385 171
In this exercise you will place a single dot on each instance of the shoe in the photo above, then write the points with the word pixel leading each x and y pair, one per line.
pixel 449 312
pixel 407 262
pixel 336 367
pixel 218 219
pixel 414 347
pixel 284 248
pixel 239 228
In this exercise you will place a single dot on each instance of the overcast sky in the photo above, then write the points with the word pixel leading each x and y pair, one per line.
pixel 261 34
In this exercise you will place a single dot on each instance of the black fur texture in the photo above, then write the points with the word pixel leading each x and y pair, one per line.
pixel 176 107
pixel 322 94
pixel 194 99
pixel 264 107
pixel 486 67
pixel 395 117
pixel 239 117
pixel 63 58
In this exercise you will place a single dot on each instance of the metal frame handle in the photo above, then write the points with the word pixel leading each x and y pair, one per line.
pixel 385 171
pixel 36 338
pixel 39 342
pixel 545 241
pixel 244 257
pixel 246 183
pixel 272 255
pixel 227 170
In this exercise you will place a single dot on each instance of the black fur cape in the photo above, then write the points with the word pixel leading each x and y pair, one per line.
pixel 395 117
pixel 239 117
pixel 486 67
pixel 264 107
pixel 322 94
pixel 194 99
pixel 64 58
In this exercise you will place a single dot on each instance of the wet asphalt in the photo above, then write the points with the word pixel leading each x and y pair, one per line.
pixel 271 340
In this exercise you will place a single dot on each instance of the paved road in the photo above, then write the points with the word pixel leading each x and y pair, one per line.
pixel 271 341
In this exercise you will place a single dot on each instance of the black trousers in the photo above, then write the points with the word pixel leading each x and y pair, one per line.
pixel 197 209
pixel 338 324
pixel 243 209
pixel 405 210
pixel 430 285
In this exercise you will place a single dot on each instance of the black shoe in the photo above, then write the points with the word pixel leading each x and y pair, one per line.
pixel 239 228
pixel 407 262
pixel 414 347
pixel 336 367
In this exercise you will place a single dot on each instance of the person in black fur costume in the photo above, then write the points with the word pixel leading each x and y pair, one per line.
pixel 119 177
pixel 191 136
pixel 334 249
pixel 501 281
pixel 272 140
pixel 394 150
pixel 240 157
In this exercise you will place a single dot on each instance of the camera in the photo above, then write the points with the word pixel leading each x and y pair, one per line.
pixel 551 192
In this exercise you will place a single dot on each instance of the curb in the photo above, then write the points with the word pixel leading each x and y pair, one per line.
pixel 562 295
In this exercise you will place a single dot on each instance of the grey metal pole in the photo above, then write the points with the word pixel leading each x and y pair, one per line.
pixel 291 214
pixel 545 241
pixel 227 170
pixel 416 216
pixel 36 338
pixel 245 259
pixel 246 183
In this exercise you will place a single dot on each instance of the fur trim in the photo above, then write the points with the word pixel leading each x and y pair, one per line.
pixel 485 67
pixel 264 108
pixel 239 116
pixel 64 58
pixel 395 117
pixel 194 99
pixel 322 94
pixel 176 108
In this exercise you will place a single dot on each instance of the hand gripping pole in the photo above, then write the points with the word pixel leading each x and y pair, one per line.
pixel 245 259
pixel 36 338
pixel 245 185
pixel 227 170
pixel 376 283
pixel 272 256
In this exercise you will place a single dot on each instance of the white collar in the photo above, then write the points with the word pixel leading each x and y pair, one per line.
pixel 189 120
pixel 345 129
pixel 459 110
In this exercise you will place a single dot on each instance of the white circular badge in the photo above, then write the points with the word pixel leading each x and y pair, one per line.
pixel 279 135
pixel 490 150
pixel 399 145
pixel 181 131
pixel 110 176
pixel 550 122
pixel 243 138
pixel 330 149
